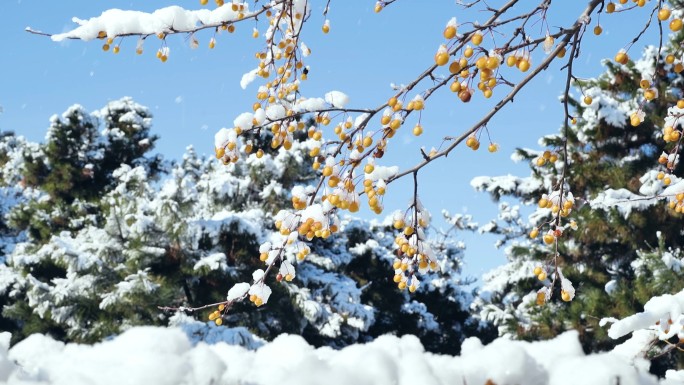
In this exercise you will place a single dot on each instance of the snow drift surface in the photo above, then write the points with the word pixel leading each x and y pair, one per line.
pixel 160 356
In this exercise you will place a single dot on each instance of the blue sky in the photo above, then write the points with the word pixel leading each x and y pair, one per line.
pixel 197 91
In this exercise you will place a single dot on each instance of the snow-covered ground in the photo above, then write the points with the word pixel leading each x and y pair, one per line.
pixel 159 356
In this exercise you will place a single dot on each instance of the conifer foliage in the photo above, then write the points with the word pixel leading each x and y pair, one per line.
pixel 93 249
pixel 624 251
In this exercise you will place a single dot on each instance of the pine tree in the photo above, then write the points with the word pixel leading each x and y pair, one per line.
pixel 605 254
pixel 62 182
pixel 183 240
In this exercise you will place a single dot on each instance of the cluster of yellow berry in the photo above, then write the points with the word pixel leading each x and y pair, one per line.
pixel 474 144
pixel 540 273
pixel 544 294
pixel 289 223
pixel 108 43
pixel 677 204
pixel 649 90
pixel 561 207
pixel 664 178
pixel 672 133
pixel 546 157
pixel 414 254
pixel 217 315
pixel 567 292
pixel 256 300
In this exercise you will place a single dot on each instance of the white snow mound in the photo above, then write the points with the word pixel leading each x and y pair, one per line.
pixel 161 356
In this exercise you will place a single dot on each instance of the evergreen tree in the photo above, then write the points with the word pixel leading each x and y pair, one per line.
pixel 182 242
pixel 619 254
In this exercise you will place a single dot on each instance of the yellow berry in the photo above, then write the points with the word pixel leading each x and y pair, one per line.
pixel 565 296
pixel 417 130
pixel 610 8
pixel 493 147
pixel 561 53
pixel 511 61
pixel 449 32
pixel 676 25
pixel 664 13
pixel 588 100
pixel 537 270
pixel 471 141
pixel 477 38
pixel 534 233
pixel 541 276
pixel 523 65
pixel 549 238
pixel 455 86
pixel 598 30
pixel 326 28
pixel 621 57
pixel 441 58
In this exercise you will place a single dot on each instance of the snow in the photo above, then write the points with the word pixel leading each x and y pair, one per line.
pixel 506 184
pixel 623 200
pixel 117 22
pixel 275 112
pixel 237 291
pixel 165 356
pixel 248 78
pixel 216 261
pixel 244 121
pixel 662 314
pixel 309 105
pixel 337 99
pixel 383 173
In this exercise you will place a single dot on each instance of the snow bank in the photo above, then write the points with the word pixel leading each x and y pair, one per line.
pixel 162 356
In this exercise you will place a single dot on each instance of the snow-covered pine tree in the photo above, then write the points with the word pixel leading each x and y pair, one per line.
pixel 623 251
pixel 183 240
pixel 61 183
pixel 125 139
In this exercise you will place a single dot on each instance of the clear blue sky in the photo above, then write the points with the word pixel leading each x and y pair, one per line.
pixel 197 91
